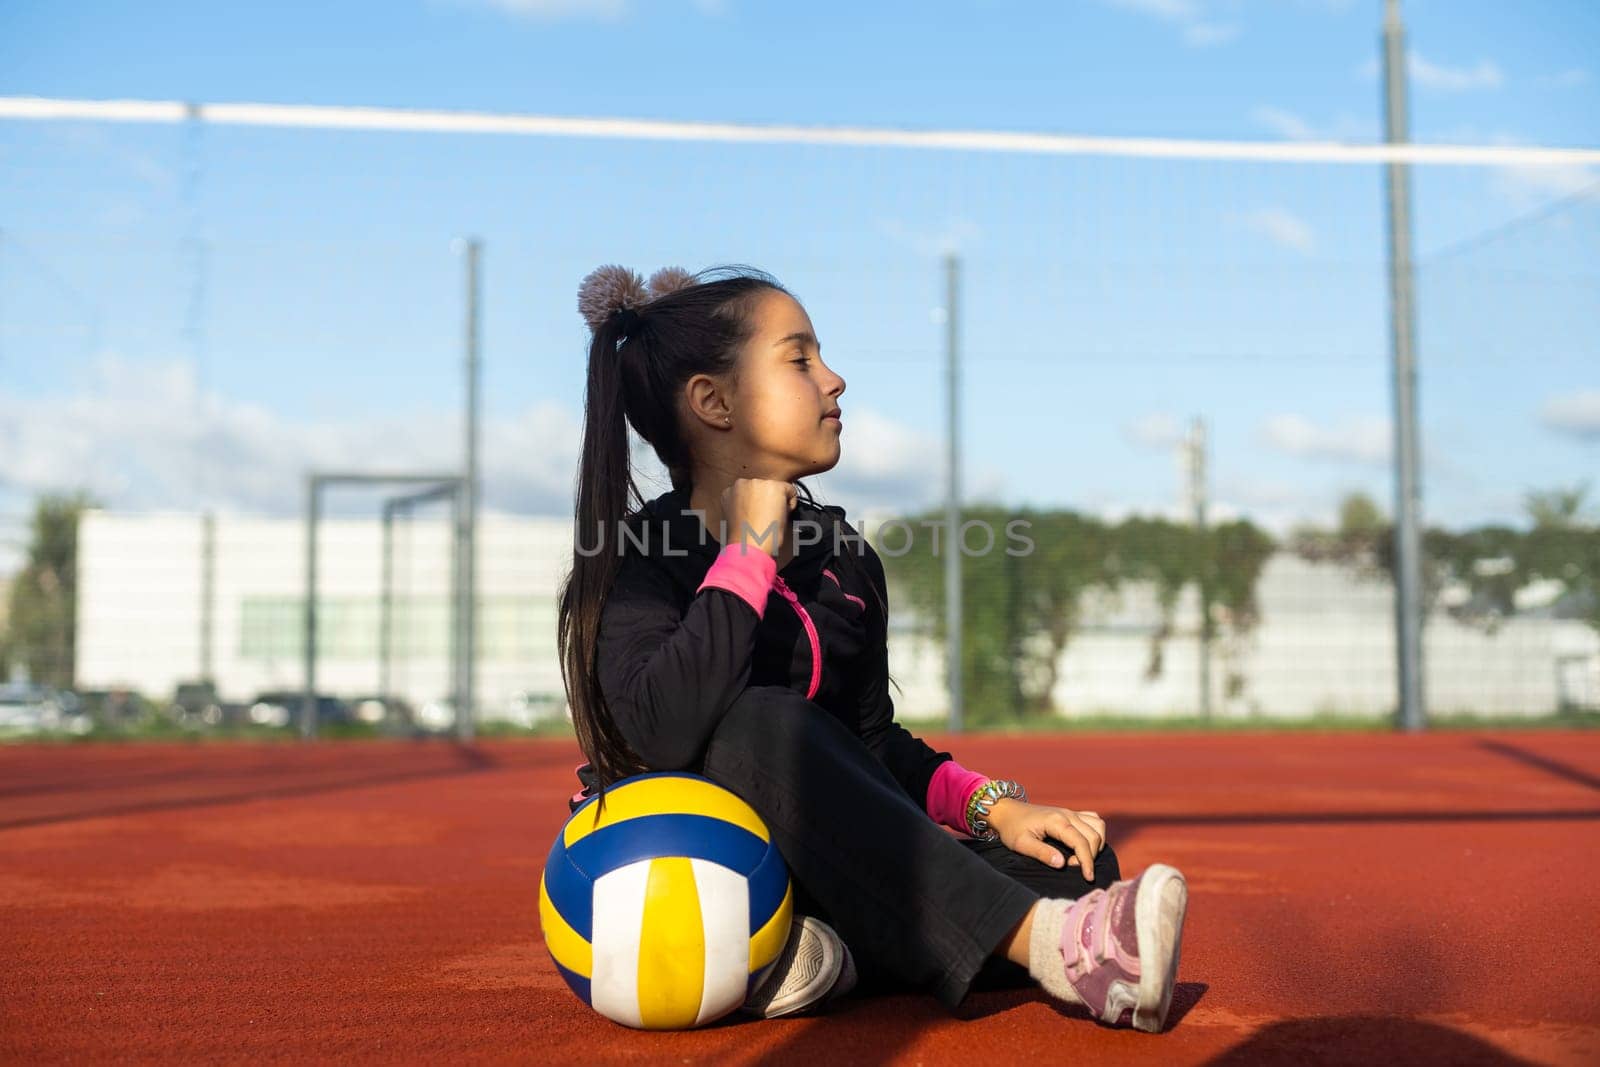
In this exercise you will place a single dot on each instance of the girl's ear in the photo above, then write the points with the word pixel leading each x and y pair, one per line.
pixel 706 400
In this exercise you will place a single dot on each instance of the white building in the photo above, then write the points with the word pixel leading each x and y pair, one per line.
pixel 1325 642
pixel 142 608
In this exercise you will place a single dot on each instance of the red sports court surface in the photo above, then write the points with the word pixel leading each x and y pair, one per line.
pixel 1355 898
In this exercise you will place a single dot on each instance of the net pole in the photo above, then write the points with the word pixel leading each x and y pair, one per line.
pixel 1197 500
pixel 386 613
pixel 308 701
pixel 952 503
pixel 1402 323
pixel 469 507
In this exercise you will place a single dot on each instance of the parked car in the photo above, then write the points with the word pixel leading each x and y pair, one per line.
pixel 195 704
pixel 116 708
pixel 437 716
pixel 28 707
pixel 529 708
pixel 378 710
pixel 281 707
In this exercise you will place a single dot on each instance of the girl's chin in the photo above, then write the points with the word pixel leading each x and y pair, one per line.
pixel 822 466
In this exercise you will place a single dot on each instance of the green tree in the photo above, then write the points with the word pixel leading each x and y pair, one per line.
pixel 1237 553
pixel 1360 517
pixel 1563 547
pixel 42 612
pixel 995 650
pixel 1167 555
pixel 1022 608
pixel 1361 540
pixel 1071 555
pixel 1556 508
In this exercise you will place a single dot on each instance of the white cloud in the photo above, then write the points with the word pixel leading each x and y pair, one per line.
pixel 1278 521
pixel 551 10
pixel 1207 34
pixel 1204 23
pixel 888 467
pixel 1167 10
pixel 1155 430
pixel 1265 492
pixel 142 435
pixel 1360 440
pixel 1526 186
pixel 1281 226
pixel 1294 127
pixel 1284 123
pixel 1437 76
pixel 1576 414
pixel 954 235
pixel 1189 17
pixel 1486 75
pixel 1277 507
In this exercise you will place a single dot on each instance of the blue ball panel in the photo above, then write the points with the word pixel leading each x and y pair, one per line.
pixel 768 883
pixel 651 836
pixel 570 891
pixel 578 983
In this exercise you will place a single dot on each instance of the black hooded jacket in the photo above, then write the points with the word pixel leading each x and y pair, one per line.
pixel 673 656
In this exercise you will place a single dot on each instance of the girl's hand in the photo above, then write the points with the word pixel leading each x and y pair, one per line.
pixel 757 512
pixel 1024 827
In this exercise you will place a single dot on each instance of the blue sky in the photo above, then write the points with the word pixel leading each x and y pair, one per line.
pixel 1106 301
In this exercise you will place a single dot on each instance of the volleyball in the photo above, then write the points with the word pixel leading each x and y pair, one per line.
pixel 667 910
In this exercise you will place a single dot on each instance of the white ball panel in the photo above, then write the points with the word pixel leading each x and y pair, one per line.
pixel 725 912
pixel 618 918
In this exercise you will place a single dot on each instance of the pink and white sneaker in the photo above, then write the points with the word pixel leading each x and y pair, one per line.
pixel 1120 946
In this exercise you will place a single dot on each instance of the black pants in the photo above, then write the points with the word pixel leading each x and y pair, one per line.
pixel 920 908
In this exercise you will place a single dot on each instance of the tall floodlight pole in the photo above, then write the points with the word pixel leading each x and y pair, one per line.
pixel 467 514
pixel 952 499
pixel 1402 328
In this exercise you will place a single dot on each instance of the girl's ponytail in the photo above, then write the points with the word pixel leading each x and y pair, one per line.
pixel 604 491
pixel 647 342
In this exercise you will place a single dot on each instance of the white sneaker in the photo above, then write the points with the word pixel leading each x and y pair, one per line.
pixel 814 966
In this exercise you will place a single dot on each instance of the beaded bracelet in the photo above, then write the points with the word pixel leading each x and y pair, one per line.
pixel 982 802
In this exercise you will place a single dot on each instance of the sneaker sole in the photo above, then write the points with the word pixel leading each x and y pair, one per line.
pixel 828 968
pixel 1159 910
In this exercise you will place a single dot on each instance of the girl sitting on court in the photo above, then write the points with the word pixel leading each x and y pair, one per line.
pixel 736 628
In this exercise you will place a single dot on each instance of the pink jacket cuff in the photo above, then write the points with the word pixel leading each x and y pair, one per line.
pixel 949 790
pixel 745 570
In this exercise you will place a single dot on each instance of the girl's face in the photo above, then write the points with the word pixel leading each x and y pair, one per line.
pixel 784 395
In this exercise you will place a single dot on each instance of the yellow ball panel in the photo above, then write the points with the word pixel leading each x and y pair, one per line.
pixel 668 795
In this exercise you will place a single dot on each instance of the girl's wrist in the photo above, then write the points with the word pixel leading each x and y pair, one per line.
pixel 982 803
pixel 1003 810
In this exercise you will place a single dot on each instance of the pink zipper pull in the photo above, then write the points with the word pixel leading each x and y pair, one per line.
pixel 811 633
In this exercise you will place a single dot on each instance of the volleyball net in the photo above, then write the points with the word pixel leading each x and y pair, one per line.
pixel 1173 364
